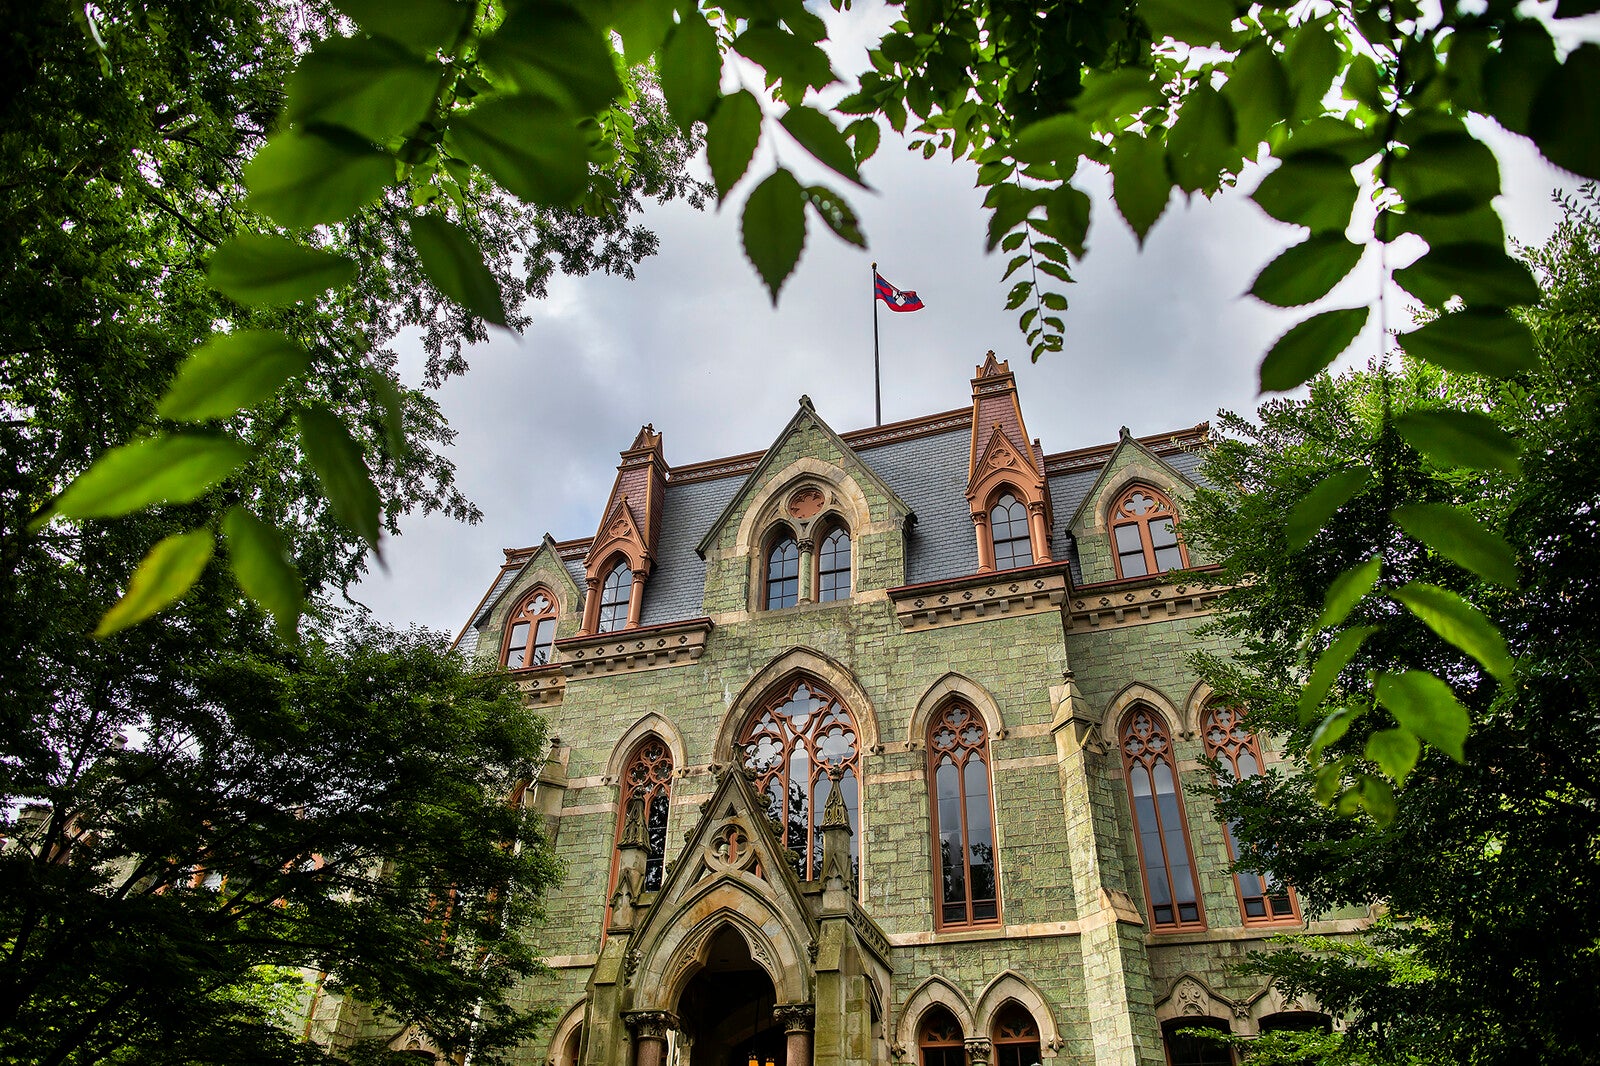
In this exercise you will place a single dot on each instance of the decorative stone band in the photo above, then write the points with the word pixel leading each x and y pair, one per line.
pixel 645 648
pixel 650 1024
pixel 1114 605
pixel 1029 590
pixel 542 684
pixel 796 1017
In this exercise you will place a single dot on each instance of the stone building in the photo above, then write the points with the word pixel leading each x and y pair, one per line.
pixel 872 748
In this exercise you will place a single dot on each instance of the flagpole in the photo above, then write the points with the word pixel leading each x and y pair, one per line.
pixel 877 381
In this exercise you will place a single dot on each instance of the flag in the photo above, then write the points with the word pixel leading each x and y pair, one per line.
pixel 897 299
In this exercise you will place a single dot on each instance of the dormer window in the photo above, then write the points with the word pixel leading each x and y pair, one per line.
pixel 1144 535
pixel 1008 525
pixel 531 635
pixel 833 566
pixel 783 572
pixel 614 595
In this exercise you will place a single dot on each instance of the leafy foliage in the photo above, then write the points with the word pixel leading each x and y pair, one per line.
pixel 1482 615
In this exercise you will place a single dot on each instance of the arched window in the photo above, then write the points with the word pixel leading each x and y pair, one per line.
pixel 790 742
pixel 783 572
pixel 833 566
pixel 1143 533
pixel 1297 1021
pixel 1008 525
pixel 963 818
pixel 939 1039
pixel 614 595
pixel 1261 897
pixel 1158 822
pixel 532 632
pixel 647 779
pixel 1016 1037
pixel 1186 1050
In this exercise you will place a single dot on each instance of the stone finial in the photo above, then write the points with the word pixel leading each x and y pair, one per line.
pixel 834 813
pixel 805 401
pixel 837 871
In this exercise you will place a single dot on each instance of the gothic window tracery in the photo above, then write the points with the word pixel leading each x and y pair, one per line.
pixel 1008 527
pixel 647 779
pixel 531 632
pixel 1163 840
pixel 614 597
pixel 963 817
pixel 1262 898
pixel 833 566
pixel 939 1039
pixel 1144 535
pixel 790 742
pixel 1016 1037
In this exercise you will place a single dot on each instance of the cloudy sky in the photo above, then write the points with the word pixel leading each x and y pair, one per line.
pixel 1156 339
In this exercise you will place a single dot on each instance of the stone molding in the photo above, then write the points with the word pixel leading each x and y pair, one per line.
pixel 673 644
pixel 1115 605
pixel 1029 590
pixel 542 685
pixel 650 1024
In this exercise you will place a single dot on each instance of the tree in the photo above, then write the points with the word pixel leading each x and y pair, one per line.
pixel 339 807
pixel 1490 859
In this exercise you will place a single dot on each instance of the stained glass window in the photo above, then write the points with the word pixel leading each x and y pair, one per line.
pixel 648 779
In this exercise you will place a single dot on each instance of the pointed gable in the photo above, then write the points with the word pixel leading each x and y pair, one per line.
pixel 1001 456
pixel 631 522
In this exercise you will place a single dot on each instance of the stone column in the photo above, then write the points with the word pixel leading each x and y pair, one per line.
pixel 591 606
pixel 649 1029
pixel 796 1019
pixel 1039 532
pixel 977 1051
pixel 636 598
pixel 808 579
pixel 980 525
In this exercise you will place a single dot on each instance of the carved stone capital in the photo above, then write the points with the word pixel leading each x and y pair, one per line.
pixel 650 1024
pixel 977 1051
pixel 1036 507
pixel 796 1017
pixel 980 518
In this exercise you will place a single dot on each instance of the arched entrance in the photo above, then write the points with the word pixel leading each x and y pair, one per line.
pixel 725 1012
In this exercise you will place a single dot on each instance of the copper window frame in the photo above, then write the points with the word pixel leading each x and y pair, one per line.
pixel 551 613
pixel 1142 523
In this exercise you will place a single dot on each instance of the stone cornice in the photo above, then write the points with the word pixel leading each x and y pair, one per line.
pixel 541 684
pixel 642 648
pixel 1028 590
pixel 1115 604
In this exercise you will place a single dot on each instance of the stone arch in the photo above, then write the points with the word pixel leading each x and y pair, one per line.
pixel 1270 1001
pixel 780 671
pixel 652 722
pixel 1011 986
pixel 846 501
pixel 1096 510
pixel 1139 692
pixel 935 991
pixel 677 951
pixel 1191 997
pixel 1194 707
pixel 954 686
pixel 570 1021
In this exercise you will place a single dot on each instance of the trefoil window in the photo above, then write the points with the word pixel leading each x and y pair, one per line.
pixel 1164 853
pixel 1262 898
pixel 963 818
pixel 1143 530
pixel 1008 525
pixel 532 633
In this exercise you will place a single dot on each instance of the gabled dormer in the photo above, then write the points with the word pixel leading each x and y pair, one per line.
pixel 812 523
pixel 624 548
pixel 1006 489
pixel 1129 524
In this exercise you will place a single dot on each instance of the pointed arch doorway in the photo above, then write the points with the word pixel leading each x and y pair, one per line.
pixel 726 1010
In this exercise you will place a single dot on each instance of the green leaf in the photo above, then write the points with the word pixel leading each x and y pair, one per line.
pixel 1312 189
pixel 425 25
pixel 1425 705
pixel 548 49
pixel 1011 204
pixel 1475 340
pixel 1259 91
pixel 1311 60
pixel 1329 664
pixel 731 139
pixel 1478 273
pixel 1059 139
pixel 818 135
pixel 230 372
pixel 643 26
pixel 1363 83
pixel 263 271
pixel 168 571
pixel 1328 779
pixel 532 148
pixel 1308 271
pixel 301 180
pixel 391 408
pixel 690 68
pixel 371 86
pixel 336 458
pixel 1140 183
pixel 1117 95
pixel 774 228
pixel 1377 796
pixel 864 135
pixel 1513 76
pixel 454 264
pixel 1317 506
pixel 1460 623
pixel 1395 751
pixel 1347 590
pixel 1567 112
pixel 1332 728
pixel 837 214
pixel 1455 533
pixel 1309 347
pixel 262 566
pixel 1197 22
pixel 785 56
pixel 170 468
pixel 1460 438
pixel 1068 211
pixel 1446 172
pixel 1200 144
